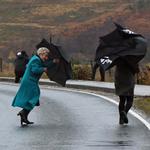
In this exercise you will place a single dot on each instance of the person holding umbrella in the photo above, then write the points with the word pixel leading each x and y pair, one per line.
pixel 126 69
pixel 95 66
pixel 61 72
pixel 124 49
pixel 28 94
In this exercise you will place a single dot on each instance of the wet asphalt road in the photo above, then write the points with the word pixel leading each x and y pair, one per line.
pixel 68 121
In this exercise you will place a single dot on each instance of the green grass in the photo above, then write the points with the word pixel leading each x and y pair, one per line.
pixel 143 104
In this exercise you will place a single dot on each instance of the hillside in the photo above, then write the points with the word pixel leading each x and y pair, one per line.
pixel 73 24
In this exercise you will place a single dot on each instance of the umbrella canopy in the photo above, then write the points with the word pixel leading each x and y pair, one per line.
pixel 120 44
pixel 62 71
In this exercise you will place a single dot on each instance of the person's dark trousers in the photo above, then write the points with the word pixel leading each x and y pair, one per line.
pixel 102 73
pixel 125 103
pixel 94 70
pixel 124 106
pixel 18 75
pixel 17 79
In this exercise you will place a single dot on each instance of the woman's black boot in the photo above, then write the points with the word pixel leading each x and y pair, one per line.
pixel 26 115
pixel 23 117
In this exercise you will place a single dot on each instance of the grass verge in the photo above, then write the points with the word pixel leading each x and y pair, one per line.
pixel 143 104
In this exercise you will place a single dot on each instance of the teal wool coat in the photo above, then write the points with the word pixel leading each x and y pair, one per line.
pixel 29 92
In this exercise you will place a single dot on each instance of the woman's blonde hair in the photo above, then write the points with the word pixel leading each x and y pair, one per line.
pixel 42 50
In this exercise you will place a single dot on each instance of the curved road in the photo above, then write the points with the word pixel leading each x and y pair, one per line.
pixel 68 120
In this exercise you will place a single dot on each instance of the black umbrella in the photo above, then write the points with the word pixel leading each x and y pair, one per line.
pixel 62 71
pixel 120 44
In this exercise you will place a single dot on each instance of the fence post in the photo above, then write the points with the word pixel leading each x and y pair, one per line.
pixel 1 65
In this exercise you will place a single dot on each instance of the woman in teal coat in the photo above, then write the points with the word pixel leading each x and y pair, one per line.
pixel 28 94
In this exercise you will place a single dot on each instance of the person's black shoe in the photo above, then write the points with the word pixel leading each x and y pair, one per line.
pixel 121 121
pixel 29 122
pixel 124 116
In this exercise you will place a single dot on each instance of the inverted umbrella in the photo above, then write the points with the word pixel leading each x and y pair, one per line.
pixel 60 72
pixel 120 44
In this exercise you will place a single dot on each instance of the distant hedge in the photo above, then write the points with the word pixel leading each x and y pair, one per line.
pixel 82 72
